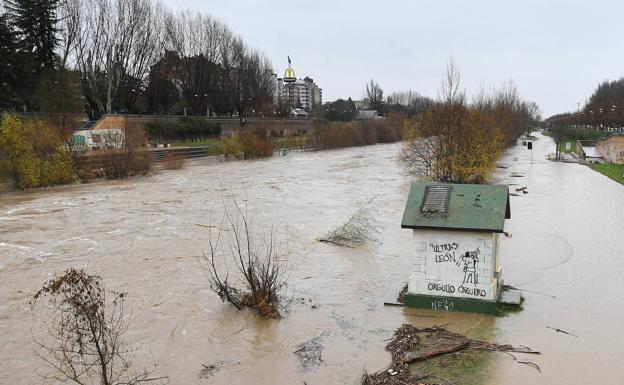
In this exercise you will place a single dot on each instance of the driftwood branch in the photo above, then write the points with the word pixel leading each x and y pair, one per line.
pixel 411 344
pixel 528 363
pixel 422 356
pixel 335 243
pixel 561 331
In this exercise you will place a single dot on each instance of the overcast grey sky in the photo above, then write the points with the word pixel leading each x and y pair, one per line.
pixel 556 51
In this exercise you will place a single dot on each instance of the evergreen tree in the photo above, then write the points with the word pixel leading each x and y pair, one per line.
pixel 36 24
pixel 33 23
pixel 8 62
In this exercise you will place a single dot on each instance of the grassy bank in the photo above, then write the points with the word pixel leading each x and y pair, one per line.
pixel 613 171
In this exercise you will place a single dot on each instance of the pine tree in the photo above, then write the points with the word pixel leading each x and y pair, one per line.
pixel 36 24
pixel 33 24
pixel 8 63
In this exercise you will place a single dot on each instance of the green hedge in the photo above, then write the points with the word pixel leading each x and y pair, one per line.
pixel 185 128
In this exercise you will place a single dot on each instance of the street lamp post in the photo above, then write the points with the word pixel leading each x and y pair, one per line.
pixel 204 98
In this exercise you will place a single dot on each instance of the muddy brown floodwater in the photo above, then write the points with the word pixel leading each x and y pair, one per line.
pixel 146 235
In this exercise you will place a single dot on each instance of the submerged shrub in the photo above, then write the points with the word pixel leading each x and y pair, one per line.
pixel 360 228
pixel 173 161
pixel 255 144
pixel 260 262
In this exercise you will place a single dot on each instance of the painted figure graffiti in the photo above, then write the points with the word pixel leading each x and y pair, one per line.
pixel 470 260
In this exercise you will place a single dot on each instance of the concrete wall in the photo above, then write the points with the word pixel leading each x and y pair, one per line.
pixel 581 145
pixel 229 126
pixel 612 148
pixel 441 267
pixel 110 122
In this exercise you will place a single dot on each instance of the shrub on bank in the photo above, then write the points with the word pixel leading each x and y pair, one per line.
pixel 173 161
pixel 249 145
pixel 256 144
pixel 232 147
pixel 356 133
pixel 35 152
pixel 127 157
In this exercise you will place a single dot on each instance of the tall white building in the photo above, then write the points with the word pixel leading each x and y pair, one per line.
pixel 297 93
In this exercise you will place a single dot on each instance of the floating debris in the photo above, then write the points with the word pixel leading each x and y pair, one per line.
pixel 561 331
pixel 361 228
pixel 209 370
pixel 309 353
pixel 411 344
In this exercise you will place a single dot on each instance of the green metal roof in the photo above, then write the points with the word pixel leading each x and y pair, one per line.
pixel 468 207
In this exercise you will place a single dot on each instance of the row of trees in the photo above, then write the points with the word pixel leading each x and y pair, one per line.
pixel 459 142
pixel 125 56
pixel 407 103
pixel 604 110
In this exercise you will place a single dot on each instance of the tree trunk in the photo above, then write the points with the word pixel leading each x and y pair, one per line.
pixel 422 356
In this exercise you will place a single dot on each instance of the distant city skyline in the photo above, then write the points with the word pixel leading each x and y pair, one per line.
pixel 557 52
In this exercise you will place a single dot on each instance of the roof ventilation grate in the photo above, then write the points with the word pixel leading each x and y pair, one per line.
pixel 436 198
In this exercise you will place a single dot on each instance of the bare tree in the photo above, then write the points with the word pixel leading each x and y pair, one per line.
pixel 450 92
pixel 85 340
pixel 558 133
pixel 124 155
pixel 374 95
pixel 197 41
pixel 259 261
pixel 413 102
pixel 215 69
pixel 68 25
pixel 116 43
pixel 458 142
pixel 534 116
pixel 452 142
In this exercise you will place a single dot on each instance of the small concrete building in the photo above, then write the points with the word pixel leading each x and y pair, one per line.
pixel 108 131
pixel 457 230
pixel 367 114
pixel 611 148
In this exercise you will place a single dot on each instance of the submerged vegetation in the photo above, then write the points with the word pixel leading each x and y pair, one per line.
pixel 361 228
pixel 261 265
pixel 435 355
pixel 84 338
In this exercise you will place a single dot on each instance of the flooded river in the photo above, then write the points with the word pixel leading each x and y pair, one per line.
pixel 146 236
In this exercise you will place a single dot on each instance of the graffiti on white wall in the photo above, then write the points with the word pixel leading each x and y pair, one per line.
pixel 470 260
pixel 455 265
pixel 442 304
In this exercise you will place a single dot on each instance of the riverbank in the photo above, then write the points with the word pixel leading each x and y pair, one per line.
pixel 610 170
